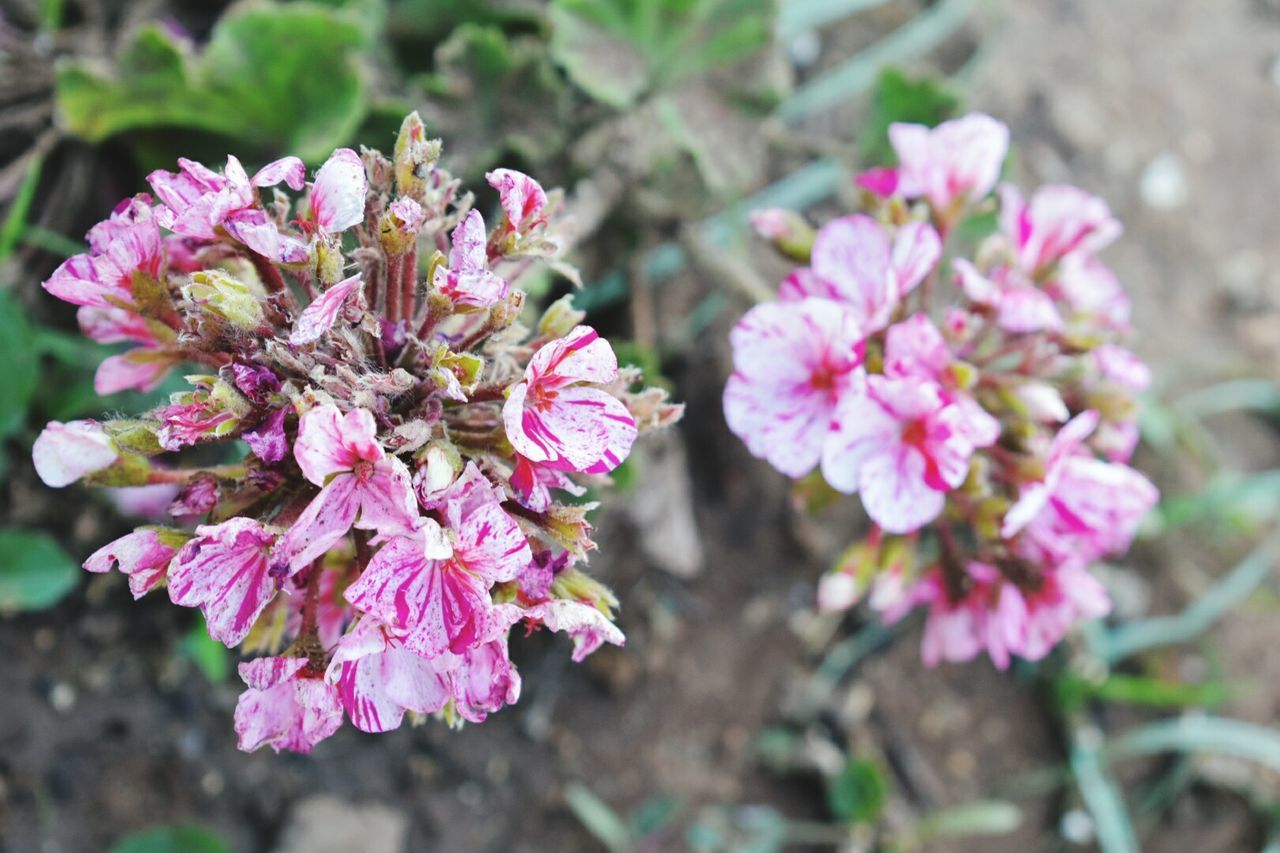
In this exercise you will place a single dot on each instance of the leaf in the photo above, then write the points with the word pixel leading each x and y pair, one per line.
pixel 619 50
pixel 597 816
pixel 210 656
pixel 984 817
pixel 173 839
pixel 1073 691
pixel 1195 733
pixel 857 795
pixel 35 573
pixel 491 94
pixel 278 77
pixel 20 209
pixel 899 98
pixel 20 358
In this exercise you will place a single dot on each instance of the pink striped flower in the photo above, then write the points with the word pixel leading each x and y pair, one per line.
pixel 558 418
pixel 285 707
pixel 142 368
pixel 486 681
pixel 322 313
pixel 378 679
pixel 793 362
pixel 952 165
pixel 467 280
pixel 434 597
pixel 523 198
pixel 143 556
pixel 225 571
pixel 338 194
pixel 854 261
pixel 1019 305
pixel 901 444
pixel 1058 221
pixel 588 625
pixel 361 485
pixel 120 247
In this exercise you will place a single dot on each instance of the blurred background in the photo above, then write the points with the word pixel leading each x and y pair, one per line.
pixel 735 718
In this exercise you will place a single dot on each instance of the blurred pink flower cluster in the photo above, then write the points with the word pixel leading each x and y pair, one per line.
pixel 983 407
pixel 393 512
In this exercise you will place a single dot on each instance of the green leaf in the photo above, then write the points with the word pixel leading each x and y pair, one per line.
pixel 984 817
pixel 16 222
pixel 491 95
pixel 35 573
pixel 620 50
pixel 597 816
pixel 1147 690
pixel 210 656
pixel 277 77
pixel 857 795
pixel 173 839
pixel 20 358
pixel 896 98
pixel 1194 733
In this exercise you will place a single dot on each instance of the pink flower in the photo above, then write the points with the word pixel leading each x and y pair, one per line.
pixel 793 361
pixel 362 485
pixel 141 555
pixel 1083 508
pixel 953 165
pixel 1120 366
pixel 556 418
pixel 1091 292
pixel 63 453
pixel 467 280
pixel 197 202
pixel 438 601
pixel 139 369
pixel 902 445
pixel 378 680
pixel 882 182
pixel 127 243
pixel 268 440
pixel 990 616
pixel 225 571
pixel 1020 306
pixel 1066 595
pixel 532 484
pixel 486 681
pixel 855 262
pixel 338 194
pixel 285 707
pixel 523 198
pixel 150 502
pixel 1059 220
pixel 322 313
pixel 588 625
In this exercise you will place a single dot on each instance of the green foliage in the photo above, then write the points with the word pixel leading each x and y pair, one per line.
pixel 858 793
pixel 897 97
pixel 16 222
pixel 598 817
pixel 173 839
pixel 21 363
pixel 35 573
pixel 1072 691
pixel 210 656
pixel 278 77
pixel 491 94
pixel 621 50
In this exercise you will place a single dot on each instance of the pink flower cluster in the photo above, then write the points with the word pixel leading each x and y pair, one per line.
pixel 396 507
pixel 987 436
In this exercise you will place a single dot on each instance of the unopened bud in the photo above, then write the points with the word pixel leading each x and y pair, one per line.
pixel 573 585
pixel 414 157
pixel 786 230
pixel 560 318
pixel 227 297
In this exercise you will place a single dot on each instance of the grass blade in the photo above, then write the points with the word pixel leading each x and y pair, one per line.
pixel 1195 733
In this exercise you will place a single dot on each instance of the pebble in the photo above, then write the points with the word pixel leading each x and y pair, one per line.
pixel 1076 827
pixel 1164 183
pixel 62 697
pixel 324 824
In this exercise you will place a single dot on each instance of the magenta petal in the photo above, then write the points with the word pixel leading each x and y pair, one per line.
pixel 267 440
pixel 257 231
pixel 140 555
pixel 387 502
pixel 288 170
pixel 329 443
pixel 322 313
pixel 135 370
pixel 522 197
pixel 225 572
pixel 486 681
pixel 589 627
pixel 284 709
pixel 322 524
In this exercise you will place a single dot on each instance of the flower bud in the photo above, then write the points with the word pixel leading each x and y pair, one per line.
pixel 134 436
pixel 414 157
pixel 560 318
pixel 398 226
pixel 326 259
pixel 227 297
pixel 787 230
pixel 573 585
pixel 67 452
pixel 439 464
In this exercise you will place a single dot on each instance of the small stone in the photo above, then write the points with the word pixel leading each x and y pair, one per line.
pixel 212 783
pixel 1076 827
pixel 62 697
pixel 325 824
pixel 805 48
pixel 1164 183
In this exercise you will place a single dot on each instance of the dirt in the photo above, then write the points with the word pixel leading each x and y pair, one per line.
pixel 104 729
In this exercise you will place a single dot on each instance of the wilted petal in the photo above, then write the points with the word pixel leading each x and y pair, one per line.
pixel 267 440
pixel 139 369
pixel 338 195
pixel 283 707
pixel 142 555
pixel 287 170
pixel 322 313
pixel 589 626
pixel 522 197
pixel 259 232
